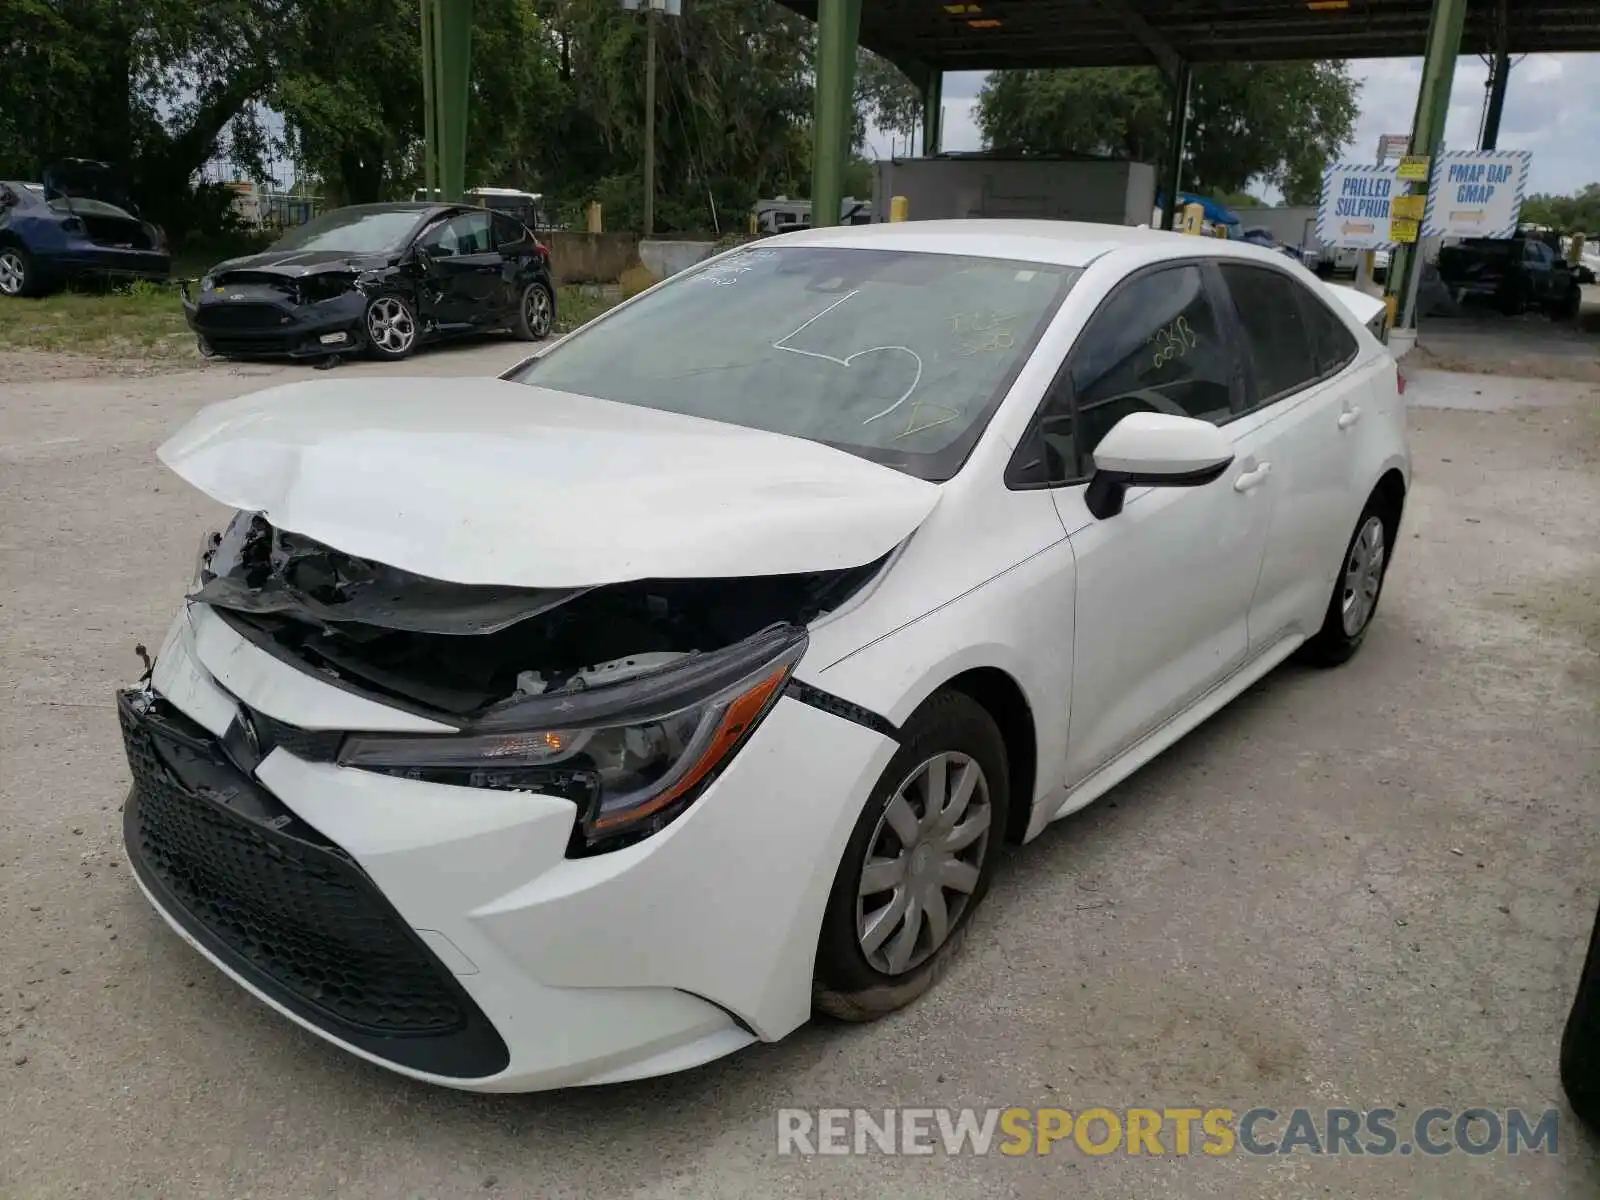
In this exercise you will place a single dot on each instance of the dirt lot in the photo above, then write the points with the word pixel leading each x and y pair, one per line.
pixel 1368 887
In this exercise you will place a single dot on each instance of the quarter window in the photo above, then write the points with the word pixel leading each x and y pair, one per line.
pixel 1335 346
pixel 1276 332
pixel 508 231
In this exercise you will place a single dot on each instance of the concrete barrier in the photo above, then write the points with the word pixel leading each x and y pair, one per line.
pixel 665 258
pixel 580 257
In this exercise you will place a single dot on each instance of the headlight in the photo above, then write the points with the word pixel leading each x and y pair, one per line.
pixel 632 756
pixel 206 283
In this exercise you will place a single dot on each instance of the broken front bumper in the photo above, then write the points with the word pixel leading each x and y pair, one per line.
pixel 263 322
pixel 389 915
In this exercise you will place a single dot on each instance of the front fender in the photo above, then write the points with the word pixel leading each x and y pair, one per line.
pixel 1020 623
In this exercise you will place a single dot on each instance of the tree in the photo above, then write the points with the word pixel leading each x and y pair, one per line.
pixel 1577 213
pixel 1276 122
pixel 153 86
pixel 884 97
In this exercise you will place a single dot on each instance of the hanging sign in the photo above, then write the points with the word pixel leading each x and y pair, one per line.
pixel 1477 193
pixel 1355 207
pixel 1414 168
pixel 1409 208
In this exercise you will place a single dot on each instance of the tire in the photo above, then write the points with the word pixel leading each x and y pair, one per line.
pixel 1569 306
pixel 536 312
pixel 1338 639
pixel 862 976
pixel 18 277
pixel 1580 1041
pixel 391 327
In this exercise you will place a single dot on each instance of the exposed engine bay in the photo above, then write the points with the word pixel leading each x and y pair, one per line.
pixel 460 650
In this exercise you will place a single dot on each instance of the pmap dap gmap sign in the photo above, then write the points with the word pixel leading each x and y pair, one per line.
pixel 1476 193
pixel 1356 205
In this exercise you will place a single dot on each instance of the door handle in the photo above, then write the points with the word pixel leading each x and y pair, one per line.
pixel 1249 480
pixel 1349 417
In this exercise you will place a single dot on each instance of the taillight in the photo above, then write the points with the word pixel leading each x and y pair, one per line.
pixel 1400 381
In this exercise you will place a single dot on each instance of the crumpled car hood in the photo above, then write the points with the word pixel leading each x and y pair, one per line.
pixel 485 481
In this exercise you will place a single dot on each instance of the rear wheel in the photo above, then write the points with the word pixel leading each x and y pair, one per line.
pixel 17 275
pixel 918 863
pixel 1356 591
pixel 1568 307
pixel 391 328
pixel 536 313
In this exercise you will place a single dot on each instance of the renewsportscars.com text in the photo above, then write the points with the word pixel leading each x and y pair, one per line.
pixel 1376 1132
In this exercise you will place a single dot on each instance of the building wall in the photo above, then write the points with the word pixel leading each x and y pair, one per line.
pixel 1115 193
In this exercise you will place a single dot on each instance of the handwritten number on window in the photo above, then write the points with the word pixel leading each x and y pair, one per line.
pixel 1174 341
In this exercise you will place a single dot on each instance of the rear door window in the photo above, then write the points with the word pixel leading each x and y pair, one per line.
pixel 1281 348
pixel 508 231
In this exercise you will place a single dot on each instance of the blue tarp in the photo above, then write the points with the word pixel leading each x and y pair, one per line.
pixel 1215 213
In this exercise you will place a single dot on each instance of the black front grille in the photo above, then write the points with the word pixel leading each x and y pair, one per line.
pixel 240 316
pixel 285 907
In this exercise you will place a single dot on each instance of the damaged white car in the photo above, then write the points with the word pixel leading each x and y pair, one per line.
pixel 595 721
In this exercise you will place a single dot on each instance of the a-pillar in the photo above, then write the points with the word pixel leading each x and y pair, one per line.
pixel 838 27
pixel 446 72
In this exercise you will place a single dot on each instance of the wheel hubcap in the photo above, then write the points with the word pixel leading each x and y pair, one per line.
pixel 536 310
pixel 923 863
pixel 1363 575
pixel 10 273
pixel 390 326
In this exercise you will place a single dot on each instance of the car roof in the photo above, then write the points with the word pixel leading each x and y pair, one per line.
pixel 1057 243
pixel 414 206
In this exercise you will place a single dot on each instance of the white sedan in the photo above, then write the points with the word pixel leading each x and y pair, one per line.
pixel 595 721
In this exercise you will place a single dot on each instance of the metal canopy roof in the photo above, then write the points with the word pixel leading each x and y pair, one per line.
pixel 942 34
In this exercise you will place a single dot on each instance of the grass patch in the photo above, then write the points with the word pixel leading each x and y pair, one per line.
pixel 145 321
pixel 578 304
pixel 138 320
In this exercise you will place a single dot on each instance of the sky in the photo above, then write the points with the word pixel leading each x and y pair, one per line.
pixel 1552 108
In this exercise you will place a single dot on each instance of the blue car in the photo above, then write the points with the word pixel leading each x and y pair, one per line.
pixel 77 224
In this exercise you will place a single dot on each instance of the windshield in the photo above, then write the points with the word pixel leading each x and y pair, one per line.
pixel 896 356
pixel 353 231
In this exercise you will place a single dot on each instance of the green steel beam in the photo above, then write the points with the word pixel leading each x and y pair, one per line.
pixel 932 112
pixel 446 74
pixel 838 25
pixel 1177 132
pixel 430 134
pixel 1427 128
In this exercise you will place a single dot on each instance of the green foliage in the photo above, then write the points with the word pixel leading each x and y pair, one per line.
pixel 885 97
pixel 1277 122
pixel 162 87
pixel 1577 213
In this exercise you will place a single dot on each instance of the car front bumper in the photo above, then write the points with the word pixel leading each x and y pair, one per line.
pixel 442 931
pixel 270 326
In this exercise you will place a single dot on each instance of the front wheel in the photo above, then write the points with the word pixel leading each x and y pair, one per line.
pixel 536 313
pixel 918 863
pixel 391 328
pixel 17 274
pixel 1356 591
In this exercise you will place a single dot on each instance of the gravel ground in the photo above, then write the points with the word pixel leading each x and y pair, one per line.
pixel 1369 887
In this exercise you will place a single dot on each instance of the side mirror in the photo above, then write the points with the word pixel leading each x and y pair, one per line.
pixel 1147 449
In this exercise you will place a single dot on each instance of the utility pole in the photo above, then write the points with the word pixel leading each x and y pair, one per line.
pixel 650 122
pixel 673 8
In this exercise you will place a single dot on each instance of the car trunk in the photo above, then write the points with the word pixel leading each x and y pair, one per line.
pixel 91 193
pixel 106 225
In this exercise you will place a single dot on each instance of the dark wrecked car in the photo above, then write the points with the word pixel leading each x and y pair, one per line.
pixel 384 278
pixel 77 224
